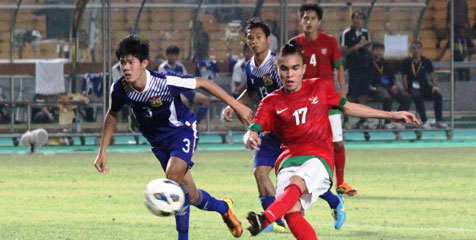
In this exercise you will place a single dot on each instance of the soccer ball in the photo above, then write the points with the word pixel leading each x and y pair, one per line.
pixel 164 197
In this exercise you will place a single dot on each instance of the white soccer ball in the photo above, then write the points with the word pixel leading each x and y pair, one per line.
pixel 164 197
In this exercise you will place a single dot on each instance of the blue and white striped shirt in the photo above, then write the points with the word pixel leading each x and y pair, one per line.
pixel 158 108
pixel 263 79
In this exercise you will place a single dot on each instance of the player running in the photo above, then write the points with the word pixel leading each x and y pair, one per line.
pixel 262 79
pixel 321 55
pixel 298 115
pixel 167 124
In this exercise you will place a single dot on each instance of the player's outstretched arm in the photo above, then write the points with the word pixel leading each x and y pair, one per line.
pixel 244 98
pixel 244 113
pixel 109 126
pixel 359 110
pixel 251 140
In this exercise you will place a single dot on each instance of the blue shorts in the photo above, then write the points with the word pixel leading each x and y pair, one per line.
pixel 181 145
pixel 190 95
pixel 269 151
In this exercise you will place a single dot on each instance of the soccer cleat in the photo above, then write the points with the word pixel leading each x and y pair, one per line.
pixel 231 221
pixel 275 227
pixel 345 188
pixel 257 223
pixel 339 214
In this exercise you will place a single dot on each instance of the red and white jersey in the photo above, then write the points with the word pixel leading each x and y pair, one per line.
pixel 321 56
pixel 301 120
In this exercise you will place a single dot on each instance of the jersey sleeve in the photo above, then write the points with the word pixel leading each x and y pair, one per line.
pixel 265 116
pixel 334 99
pixel 180 84
pixel 336 55
pixel 161 68
pixel 117 97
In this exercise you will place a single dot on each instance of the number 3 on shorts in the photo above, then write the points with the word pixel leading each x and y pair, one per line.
pixel 186 149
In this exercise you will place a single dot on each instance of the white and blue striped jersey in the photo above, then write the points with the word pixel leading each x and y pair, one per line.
pixel 263 79
pixel 179 68
pixel 158 109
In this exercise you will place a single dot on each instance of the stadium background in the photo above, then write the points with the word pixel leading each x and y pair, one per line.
pixel 85 33
pixel 408 189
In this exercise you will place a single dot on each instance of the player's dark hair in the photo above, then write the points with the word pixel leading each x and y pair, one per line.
pixel 312 7
pixel 257 23
pixel 417 42
pixel 134 46
pixel 172 49
pixel 358 13
pixel 376 45
pixel 290 49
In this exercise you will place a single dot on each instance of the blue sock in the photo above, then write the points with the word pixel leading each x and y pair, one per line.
pixel 182 217
pixel 265 202
pixel 209 203
pixel 202 111
pixel 331 199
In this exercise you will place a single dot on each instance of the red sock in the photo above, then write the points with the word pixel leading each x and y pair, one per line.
pixel 300 227
pixel 283 203
pixel 339 158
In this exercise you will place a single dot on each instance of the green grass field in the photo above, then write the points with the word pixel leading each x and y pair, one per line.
pixel 403 194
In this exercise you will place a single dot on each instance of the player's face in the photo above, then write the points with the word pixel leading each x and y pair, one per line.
pixel 310 22
pixel 358 21
pixel 172 58
pixel 290 70
pixel 257 40
pixel 416 50
pixel 378 53
pixel 132 68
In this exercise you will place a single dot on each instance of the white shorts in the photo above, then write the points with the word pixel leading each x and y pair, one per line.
pixel 336 125
pixel 315 176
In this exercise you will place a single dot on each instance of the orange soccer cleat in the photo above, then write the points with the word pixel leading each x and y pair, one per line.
pixel 231 221
pixel 345 188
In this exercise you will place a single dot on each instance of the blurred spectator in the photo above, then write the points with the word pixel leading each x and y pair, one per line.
pixel 238 79
pixel 461 19
pixel 416 71
pixel 383 85
pixel 355 42
pixel 172 65
pixel 4 110
pixel 463 49
pixel 45 114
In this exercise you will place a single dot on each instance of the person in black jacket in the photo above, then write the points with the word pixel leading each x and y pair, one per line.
pixel 383 86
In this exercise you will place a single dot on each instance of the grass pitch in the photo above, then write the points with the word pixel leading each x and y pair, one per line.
pixel 403 194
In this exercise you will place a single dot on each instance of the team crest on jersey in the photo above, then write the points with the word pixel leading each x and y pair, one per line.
pixel 268 81
pixel 314 100
pixel 324 51
pixel 155 101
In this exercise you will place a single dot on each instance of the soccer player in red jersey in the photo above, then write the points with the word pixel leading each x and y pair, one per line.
pixel 321 55
pixel 298 114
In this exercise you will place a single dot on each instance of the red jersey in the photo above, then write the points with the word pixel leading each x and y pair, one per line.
pixel 301 120
pixel 321 56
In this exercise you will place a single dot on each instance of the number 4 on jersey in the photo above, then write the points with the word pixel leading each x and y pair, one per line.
pixel 313 60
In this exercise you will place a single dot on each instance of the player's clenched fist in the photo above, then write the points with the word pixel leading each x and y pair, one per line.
pixel 251 140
